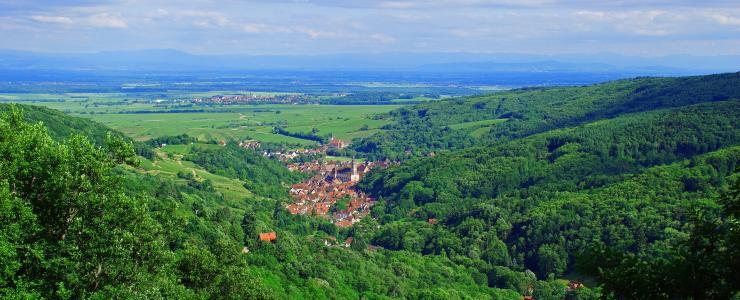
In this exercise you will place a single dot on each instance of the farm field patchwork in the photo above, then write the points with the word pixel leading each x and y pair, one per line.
pixel 254 122
pixel 143 117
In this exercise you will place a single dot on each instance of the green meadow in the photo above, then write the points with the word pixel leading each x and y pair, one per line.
pixel 144 116
pixel 253 122
pixel 169 165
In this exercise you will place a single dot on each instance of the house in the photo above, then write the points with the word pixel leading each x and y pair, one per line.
pixel 337 143
pixel 343 223
pixel 348 242
pixel 574 285
pixel 250 144
pixel 268 236
pixel 432 221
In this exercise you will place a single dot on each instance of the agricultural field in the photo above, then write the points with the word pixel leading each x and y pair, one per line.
pixel 144 116
pixel 253 122
pixel 95 103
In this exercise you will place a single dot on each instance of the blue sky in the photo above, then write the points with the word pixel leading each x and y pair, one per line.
pixel 628 27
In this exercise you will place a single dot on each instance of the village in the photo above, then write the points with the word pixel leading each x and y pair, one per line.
pixel 331 192
pixel 254 98
pixel 287 155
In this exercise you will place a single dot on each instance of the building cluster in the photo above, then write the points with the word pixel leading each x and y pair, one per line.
pixel 255 98
pixel 250 144
pixel 332 182
pixel 337 143
pixel 287 155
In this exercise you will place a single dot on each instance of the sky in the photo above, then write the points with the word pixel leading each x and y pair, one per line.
pixel 296 27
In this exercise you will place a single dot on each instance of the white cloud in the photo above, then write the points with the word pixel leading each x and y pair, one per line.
pixel 100 20
pixel 261 28
pixel 591 14
pixel 642 23
pixel 53 19
pixel 282 26
pixel 258 28
pixel 205 19
pixel 314 33
pixel 725 19
pixel 385 39
pixel 106 20
pixel 398 4
pixel 158 13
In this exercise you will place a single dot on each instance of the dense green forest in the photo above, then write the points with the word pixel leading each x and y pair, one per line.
pixel 632 183
pixel 630 186
pixel 59 126
pixel 428 127
pixel 543 198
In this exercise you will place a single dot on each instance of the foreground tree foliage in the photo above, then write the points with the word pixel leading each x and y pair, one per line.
pixel 68 229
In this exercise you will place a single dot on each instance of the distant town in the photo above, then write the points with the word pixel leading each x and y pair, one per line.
pixel 332 191
pixel 257 98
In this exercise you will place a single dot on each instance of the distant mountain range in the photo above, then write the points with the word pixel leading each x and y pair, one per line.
pixel 175 60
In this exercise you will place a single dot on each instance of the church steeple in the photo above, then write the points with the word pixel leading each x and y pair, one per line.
pixel 355 176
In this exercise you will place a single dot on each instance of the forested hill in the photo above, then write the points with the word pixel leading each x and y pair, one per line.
pixel 573 158
pixel 485 120
pixel 639 183
pixel 61 127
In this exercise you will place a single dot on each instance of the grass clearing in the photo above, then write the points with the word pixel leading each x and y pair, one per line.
pixel 170 165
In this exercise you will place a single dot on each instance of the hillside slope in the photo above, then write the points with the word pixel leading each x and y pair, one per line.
pixel 431 127
pixel 630 183
pixel 61 126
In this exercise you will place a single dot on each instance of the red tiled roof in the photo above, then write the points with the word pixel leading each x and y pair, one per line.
pixel 344 223
pixel 268 236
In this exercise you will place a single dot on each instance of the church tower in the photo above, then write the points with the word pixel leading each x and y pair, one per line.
pixel 355 176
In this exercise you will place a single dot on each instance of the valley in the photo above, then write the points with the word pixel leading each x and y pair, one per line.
pixel 370 150
pixel 511 194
